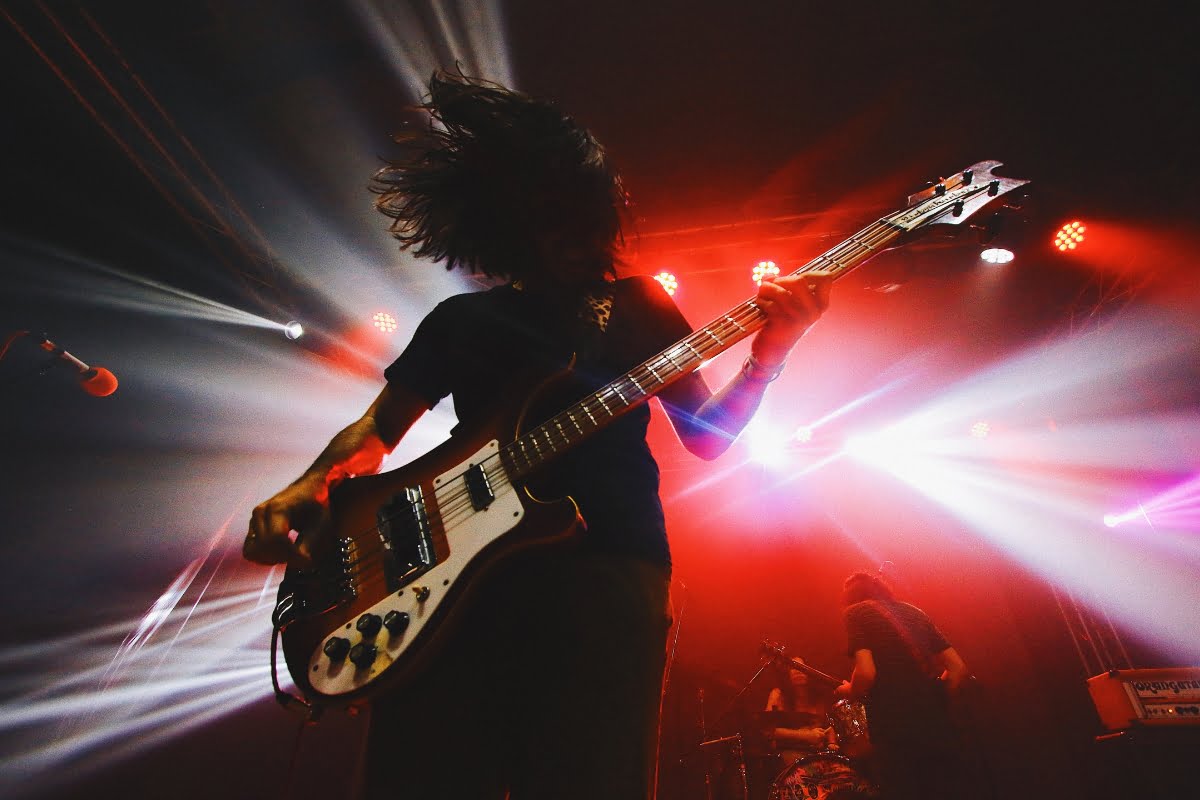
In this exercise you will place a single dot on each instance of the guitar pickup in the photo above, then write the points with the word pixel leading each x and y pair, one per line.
pixel 478 487
pixel 405 531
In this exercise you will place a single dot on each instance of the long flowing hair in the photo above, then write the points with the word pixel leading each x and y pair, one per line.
pixel 496 173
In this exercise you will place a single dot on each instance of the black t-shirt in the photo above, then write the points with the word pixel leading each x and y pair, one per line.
pixel 902 641
pixel 482 349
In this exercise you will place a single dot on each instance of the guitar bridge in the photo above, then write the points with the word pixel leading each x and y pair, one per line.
pixel 320 588
pixel 407 536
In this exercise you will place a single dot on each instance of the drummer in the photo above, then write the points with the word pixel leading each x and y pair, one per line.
pixel 805 716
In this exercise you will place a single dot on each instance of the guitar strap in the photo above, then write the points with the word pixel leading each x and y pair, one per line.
pixel 906 637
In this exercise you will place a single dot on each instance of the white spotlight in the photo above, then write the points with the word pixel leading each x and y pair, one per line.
pixel 293 330
pixel 997 255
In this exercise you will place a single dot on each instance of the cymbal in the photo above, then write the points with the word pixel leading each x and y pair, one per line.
pixel 783 719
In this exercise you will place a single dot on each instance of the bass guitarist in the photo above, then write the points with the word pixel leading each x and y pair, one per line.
pixel 551 684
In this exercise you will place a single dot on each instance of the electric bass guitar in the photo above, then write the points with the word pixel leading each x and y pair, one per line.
pixel 405 547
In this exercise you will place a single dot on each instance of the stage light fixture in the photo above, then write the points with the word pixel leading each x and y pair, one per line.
pixel 981 429
pixel 1070 236
pixel 1112 520
pixel 763 270
pixel 803 434
pixel 384 322
pixel 997 255
pixel 667 281
pixel 293 330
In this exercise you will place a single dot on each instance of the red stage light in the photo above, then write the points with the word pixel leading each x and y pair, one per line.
pixel 667 281
pixel 1070 236
pixel 384 321
pixel 764 269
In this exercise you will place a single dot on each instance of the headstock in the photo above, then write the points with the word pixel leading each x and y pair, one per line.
pixel 953 200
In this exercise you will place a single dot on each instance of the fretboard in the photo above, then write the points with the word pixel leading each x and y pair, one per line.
pixel 560 433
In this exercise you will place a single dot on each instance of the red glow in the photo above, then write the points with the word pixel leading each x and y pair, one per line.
pixel 1070 236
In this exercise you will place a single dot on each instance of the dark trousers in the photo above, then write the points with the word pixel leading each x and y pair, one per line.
pixel 551 689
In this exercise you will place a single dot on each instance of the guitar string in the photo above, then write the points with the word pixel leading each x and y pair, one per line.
pixel 453 504
pixel 453 499
pixel 868 239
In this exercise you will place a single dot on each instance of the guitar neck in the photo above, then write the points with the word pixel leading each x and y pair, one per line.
pixel 565 430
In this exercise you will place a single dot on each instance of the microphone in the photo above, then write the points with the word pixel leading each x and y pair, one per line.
pixel 96 381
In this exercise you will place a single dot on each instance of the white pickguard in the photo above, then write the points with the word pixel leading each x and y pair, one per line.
pixel 467 535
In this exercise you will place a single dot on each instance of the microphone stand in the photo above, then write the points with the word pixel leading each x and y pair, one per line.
pixel 777 652
pixel 740 692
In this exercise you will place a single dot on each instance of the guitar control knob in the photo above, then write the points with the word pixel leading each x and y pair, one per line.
pixel 336 648
pixel 362 655
pixel 369 624
pixel 422 593
pixel 396 622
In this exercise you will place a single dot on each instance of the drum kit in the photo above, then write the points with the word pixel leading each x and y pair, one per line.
pixel 750 765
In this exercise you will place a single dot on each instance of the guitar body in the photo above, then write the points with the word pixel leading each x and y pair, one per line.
pixel 404 553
